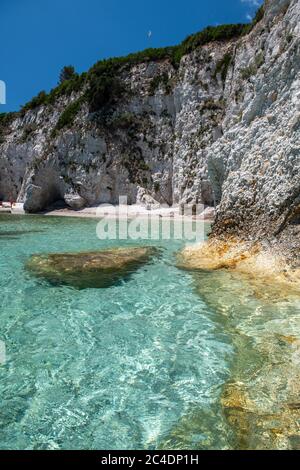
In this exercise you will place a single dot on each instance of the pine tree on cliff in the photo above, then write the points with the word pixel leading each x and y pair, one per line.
pixel 67 73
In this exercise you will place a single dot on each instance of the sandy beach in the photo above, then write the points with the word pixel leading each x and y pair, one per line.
pixel 130 212
pixel 118 212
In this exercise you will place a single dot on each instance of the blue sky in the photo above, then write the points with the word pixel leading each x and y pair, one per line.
pixel 39 37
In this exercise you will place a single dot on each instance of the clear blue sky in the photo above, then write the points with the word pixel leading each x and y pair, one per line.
pixel 39 37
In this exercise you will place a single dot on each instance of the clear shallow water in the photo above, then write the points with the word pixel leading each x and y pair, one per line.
pixel 137 365
pixel 261 399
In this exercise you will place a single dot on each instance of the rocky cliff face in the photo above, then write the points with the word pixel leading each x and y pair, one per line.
pixel 255 165
pixel 150 143
pixel 222 128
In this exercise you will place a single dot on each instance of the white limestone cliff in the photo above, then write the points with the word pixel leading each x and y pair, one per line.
pixel 221 129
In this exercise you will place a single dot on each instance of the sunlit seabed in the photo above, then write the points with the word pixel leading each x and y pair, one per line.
pixel 102 368
pixel 138 365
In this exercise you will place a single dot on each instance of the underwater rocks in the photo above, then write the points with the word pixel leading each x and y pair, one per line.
pixel 257 426
pixel 259 311
pixel 97 269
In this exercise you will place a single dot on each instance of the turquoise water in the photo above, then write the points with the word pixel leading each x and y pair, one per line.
pixel 119 368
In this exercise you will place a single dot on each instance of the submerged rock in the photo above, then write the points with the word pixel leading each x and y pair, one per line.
pixel 259 310
pixel 97 269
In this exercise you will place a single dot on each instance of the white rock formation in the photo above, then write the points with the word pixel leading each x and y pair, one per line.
pixel 222 128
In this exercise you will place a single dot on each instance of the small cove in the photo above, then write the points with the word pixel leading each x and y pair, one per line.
pixel 142 364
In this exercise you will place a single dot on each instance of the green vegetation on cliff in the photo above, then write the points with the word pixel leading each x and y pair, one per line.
pixel 66 88
pixel 67 73
pixel 7 118
pixel 101 83
pixel 222 66
pixel 68 115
